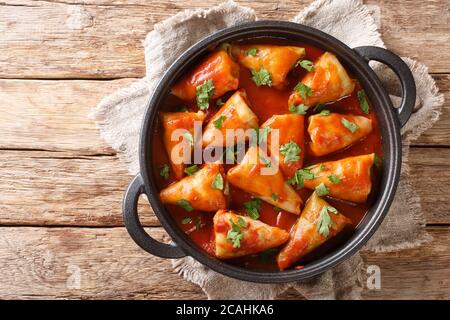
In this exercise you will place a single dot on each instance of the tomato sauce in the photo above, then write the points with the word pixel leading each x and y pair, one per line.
pixel 265 102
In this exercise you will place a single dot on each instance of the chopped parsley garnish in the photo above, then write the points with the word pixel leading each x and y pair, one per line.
pixel 186 220
pixel 277 209
pixel 191 170
pixel 219 121
pixel 377 161
pixel 353 127
pixel 305 64
pixel 204 92
pixel 185 205
pixel 324 113
pixel 303 90
pixel 262 77
pixel 164 172
pixel 189 138
pixel 219 103
pixel 322 167
pixel 322 190
pixel 218 182
pixel 251 52
pixel 274 196
pixel 334 179
pixel 363 104
pixel 252 207
pixel 324 223
pixel 290 151
pixel 299 176
pixel 298 109
pixel 235 234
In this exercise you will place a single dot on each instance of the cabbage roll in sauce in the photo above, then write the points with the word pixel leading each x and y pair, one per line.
pixel 334 132
pixel 274 60
pixel 217 67
pixel 204 190
pixel 327 82
pixel 237 236
pixel 179 148
pixel 318 223
pixel 346 179
pixel 234 114
pixel 268 185
pixel 291 144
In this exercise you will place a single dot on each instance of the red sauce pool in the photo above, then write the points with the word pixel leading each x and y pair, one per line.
pixel 200 230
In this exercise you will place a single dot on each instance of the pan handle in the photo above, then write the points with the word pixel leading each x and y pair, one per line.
pixel 403 73
pixel 134 226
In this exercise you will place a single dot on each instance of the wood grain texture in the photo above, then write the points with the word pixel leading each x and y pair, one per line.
pixel 103 39
pixel 44 263
pixel 53 115
pixel 57 188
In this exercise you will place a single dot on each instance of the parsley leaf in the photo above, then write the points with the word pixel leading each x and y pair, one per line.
pixel 185 205
pixel 298 109
pixel 322 190
pixel 218 122
pixel 303 90
pixel 324 113
pixel 305 64
pixel 189 138
pixel 251 52
pixel 262 77
pixel 186 220
pixel 218 182
pixel 353 127
pixel 301 175
pixel 265 162
pixel 164 172
pixel 322 167
pixel 219 102
pixel 274 196
pixel 334 179
pixel 191 170
pixel 204 92
pixel 363 104
pixel 252 207
pixel 290 151
pixel 324 223
pixel 235 234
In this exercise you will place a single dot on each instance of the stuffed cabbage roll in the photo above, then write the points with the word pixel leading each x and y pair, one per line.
pixel 204 190
pixel 234 114
pixel 347 179
pixel 237 236
pixel 336 131
pixel 256 176
pixel 179 148
pixel 318 223
pixel 291 145
pixel 277 60
pixel 327 82
pixel 217 67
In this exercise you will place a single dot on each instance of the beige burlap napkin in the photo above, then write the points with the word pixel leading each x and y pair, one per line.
pixel 119 119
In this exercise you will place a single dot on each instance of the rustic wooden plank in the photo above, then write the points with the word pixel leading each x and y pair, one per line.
pixel 439 134
pixel 45 188
pixel 103 39
pixel 57 188
pixel 52 115
pixel 44 262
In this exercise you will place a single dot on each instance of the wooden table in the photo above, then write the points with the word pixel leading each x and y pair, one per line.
pixel 61 185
